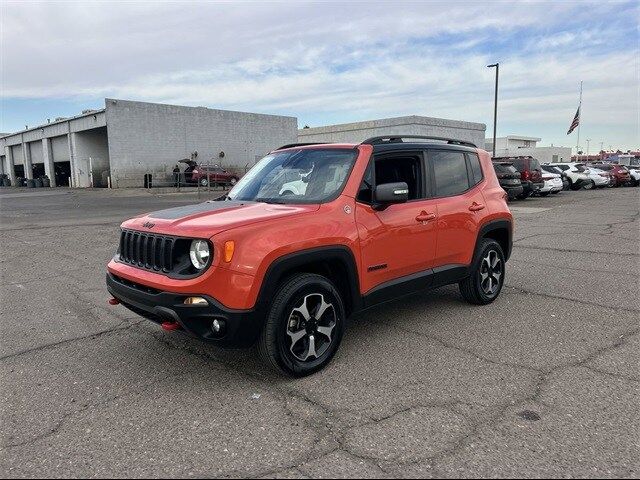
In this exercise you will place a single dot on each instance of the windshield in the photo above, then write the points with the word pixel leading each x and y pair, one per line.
pixel 296 176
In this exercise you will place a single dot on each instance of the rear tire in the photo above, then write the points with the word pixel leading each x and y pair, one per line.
pixel 295 342
pixel 545 194
pixel 486 278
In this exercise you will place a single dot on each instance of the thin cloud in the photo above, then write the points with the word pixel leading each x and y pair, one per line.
pixel 332 61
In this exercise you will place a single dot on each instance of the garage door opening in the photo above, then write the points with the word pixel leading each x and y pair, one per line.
pixel 38 170
pixel 62 172
pixel 19 169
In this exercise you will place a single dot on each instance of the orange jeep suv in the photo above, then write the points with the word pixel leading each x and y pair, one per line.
pixel 312 234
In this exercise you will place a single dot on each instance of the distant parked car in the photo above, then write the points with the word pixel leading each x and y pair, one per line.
pixel 208 174
pixel 563 176
pixel 552 184
pixel 509 178
pixel 635 175
pixel 530 173
pixel 600 178
pixel 575 174
pixel 620 173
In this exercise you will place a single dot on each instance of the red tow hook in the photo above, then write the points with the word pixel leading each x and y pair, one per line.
pixel 114 301
pixel 170 326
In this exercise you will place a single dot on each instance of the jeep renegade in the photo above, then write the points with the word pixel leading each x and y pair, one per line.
pixel 312 234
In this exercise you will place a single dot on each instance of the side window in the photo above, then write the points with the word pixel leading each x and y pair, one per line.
pixel 450 172
pixel 476 170
pixel 401 168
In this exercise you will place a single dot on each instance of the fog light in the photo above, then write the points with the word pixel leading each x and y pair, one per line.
pixel 195 301
pixel 217 326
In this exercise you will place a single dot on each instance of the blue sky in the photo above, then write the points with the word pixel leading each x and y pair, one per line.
pixel 333 62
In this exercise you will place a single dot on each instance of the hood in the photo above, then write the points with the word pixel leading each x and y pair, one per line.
pixel 203 220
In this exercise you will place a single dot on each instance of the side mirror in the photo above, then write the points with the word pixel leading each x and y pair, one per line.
pixel 390 193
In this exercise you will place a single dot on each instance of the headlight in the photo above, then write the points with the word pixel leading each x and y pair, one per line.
pixel 199 253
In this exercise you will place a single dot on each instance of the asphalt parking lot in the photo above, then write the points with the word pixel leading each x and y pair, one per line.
pixel 544 382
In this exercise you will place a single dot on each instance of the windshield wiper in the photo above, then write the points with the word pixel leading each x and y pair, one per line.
pixel 270 200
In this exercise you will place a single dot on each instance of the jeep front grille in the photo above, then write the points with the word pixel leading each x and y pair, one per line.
pixel 146 250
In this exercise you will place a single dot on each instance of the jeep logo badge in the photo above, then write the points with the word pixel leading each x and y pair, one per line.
pixel 148 225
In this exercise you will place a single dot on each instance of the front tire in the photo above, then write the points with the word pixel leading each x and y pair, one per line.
pixel 304 326
pixel 485 282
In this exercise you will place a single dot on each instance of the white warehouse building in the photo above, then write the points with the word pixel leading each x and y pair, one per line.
pixel 516 145
pixel 409 125
pixel 126 140
pixel 120 144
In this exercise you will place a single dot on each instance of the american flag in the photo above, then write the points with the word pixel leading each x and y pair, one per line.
pixel 575 123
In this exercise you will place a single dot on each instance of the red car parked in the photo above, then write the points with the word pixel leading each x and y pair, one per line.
pixel 208 174
pixel 619 173
pixel 369 223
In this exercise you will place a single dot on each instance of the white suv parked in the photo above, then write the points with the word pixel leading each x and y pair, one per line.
pixel 575 174
pixel 600 178
pixel 552 183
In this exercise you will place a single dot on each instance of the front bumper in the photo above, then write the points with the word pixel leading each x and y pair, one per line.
pixel 242 327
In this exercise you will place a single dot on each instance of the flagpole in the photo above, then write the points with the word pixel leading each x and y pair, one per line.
pixel 579 122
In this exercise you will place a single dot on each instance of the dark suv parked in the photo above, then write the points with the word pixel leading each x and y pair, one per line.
pixel 509 178
pixel 530 173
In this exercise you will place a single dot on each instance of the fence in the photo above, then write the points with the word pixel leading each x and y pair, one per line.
pixel 163 177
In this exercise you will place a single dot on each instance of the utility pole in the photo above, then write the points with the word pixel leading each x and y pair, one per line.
pixel 579 119
pixel 588 140
pixel 495 106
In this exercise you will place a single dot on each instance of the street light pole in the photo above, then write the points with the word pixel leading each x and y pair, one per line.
pixel 495 106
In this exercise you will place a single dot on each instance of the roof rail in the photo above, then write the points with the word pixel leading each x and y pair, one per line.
pixel 398 139
pixel 291 145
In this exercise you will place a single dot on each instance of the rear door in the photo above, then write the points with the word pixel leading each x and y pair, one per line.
pixel 456 179
pixel 400 240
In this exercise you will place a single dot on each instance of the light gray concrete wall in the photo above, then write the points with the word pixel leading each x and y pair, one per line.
pixel 411 125
pixel 18 154
pixel 36 152
pixel 74 124
pixel 543 154
pixel 10 164
pixel 60 149
pixel 151 138
pixel 47 156
pixel 91 157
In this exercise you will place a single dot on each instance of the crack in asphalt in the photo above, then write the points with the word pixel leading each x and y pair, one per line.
pixel 573 250
pixel 524 291
pixel 90 336
pixel 330 424
pixel 577 269
pixel 59 425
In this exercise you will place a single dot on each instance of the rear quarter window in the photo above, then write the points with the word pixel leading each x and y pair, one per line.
pixel 450 172
pixel 476 170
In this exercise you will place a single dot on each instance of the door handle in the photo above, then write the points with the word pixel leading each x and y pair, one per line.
pixel 476 206
pixel 425 217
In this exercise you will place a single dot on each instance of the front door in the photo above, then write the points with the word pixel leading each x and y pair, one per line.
pixel 400 240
